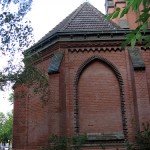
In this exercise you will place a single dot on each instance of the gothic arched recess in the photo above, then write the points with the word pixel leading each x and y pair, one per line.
pixel 117 75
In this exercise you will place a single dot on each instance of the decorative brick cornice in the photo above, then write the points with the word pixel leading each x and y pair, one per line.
pixel 121 85
pixel 90 44
pixel 95 49
pixel 145 48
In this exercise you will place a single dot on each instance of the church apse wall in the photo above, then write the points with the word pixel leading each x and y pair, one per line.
pixel 96 87
pixel 93 87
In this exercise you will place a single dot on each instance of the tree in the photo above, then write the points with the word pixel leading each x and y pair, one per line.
pixel 139 33
pixel 6 127
pixel 2 119
pixel 16 35
pixel 6 124
pixel 11 98
pixel 13 30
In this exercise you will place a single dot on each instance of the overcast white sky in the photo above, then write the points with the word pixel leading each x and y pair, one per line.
pixel 45 15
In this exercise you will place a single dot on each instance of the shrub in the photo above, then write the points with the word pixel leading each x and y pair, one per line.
pixel 143 138
pixel 64 143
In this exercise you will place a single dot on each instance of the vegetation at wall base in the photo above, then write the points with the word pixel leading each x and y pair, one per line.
pixel 143 138
pixel 77 141
pixel 66 143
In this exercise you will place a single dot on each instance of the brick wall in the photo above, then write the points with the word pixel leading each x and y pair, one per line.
pixel 129 20
pixel 97 108
pixel 93 88
pixel 37 121
pixel 62 99
pixel 20 119
pixel 99 99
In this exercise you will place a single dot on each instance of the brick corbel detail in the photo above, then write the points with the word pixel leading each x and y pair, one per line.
pixel 95 49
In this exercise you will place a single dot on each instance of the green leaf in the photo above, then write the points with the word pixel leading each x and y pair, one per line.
pixel 147 38
pixel 124 44
pixel 147 44
pixel 143 17
pixel 146 10
pixel 135 5
pixel 146 3
pixel 130 35
pixel 139 36
pixel 133 41
pixel 125 11
pixel 144 27
pixel 109 16
pixel 115 15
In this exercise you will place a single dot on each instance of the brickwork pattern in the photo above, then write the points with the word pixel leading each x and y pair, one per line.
pixel 103 82
pixel 57 117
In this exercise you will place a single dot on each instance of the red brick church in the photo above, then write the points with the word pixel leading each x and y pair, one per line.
pixel 96 87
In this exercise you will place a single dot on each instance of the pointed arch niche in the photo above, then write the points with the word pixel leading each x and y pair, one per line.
pixel 99 99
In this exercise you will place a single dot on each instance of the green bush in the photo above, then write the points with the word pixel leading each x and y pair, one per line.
pixel 76 142
pixel 65 143
pixel 143 138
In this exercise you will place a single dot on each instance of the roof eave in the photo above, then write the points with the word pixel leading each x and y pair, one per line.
pixel 57 34
pixel 55 37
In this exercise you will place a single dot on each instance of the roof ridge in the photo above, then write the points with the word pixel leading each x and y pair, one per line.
pixel 100 14
pixel 75 14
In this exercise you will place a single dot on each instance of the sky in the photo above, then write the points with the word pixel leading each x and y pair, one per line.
pixel 45 15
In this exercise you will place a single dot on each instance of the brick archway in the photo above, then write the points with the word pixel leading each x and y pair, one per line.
pixel 121 86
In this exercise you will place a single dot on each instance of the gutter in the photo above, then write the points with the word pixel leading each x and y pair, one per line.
pixel 53 38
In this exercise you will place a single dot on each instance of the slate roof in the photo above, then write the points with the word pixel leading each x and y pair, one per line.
pixel 86 18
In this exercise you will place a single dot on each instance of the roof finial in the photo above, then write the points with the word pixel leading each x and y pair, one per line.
pixel 86 1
